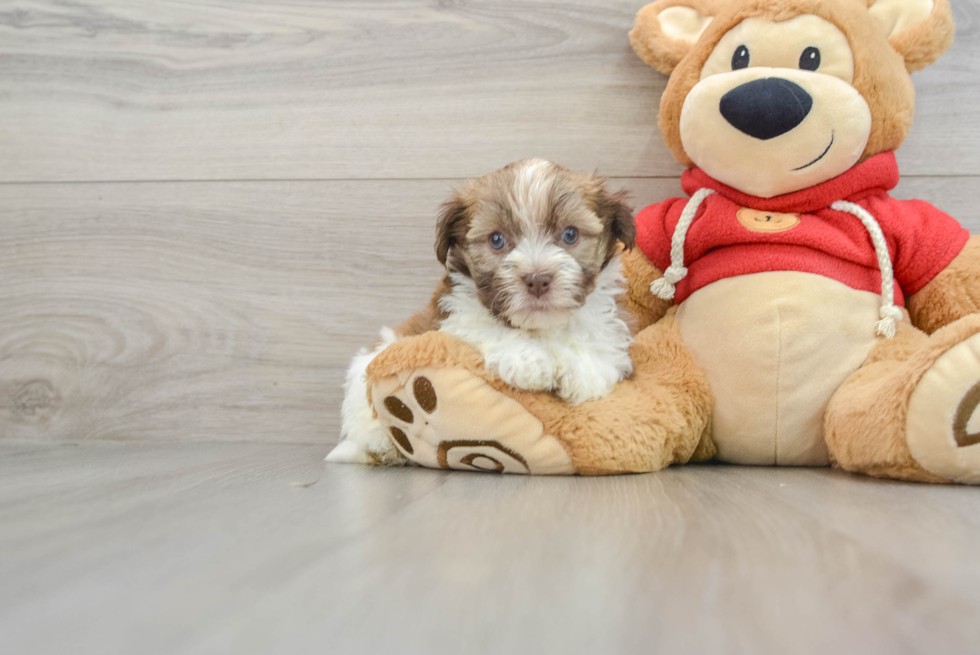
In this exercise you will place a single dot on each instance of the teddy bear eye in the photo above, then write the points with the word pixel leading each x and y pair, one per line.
pixel 741 58
pixel 810 59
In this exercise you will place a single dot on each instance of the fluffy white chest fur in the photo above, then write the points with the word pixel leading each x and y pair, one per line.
pixel 580 361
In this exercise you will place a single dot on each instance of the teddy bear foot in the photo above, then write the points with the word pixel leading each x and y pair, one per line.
pixel 943 426
pixel 452 419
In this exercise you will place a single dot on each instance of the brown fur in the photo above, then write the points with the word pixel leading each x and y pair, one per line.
pixel 561 199
pixel 880 73
pixel 865 424
pixel 495 189
pixel 952 294
pixel 638 300
pixel 926 42
pixel 654 47
pixel 457 215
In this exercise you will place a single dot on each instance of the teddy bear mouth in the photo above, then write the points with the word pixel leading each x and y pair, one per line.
pixel 822 155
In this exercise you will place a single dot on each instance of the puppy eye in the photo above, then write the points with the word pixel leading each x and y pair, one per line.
pixel 497 240
pixel 569 236
pixel 741 58
pixel 810 59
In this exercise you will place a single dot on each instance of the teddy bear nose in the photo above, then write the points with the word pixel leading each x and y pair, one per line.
pixel 766 108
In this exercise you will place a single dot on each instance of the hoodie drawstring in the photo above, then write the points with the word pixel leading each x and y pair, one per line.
pixel 891 315
pixel 665 286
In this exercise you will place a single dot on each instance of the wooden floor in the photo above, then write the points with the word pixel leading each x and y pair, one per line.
pixel 247 548
pixel 206 207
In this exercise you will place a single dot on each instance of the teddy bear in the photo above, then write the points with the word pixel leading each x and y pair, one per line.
pixel 790 311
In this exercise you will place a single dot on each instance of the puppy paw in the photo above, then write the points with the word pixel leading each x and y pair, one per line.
pixel 531 369
pixel 584 379
pixel 363 439
pixel 576 391
pixel 452 419
pixel 376 451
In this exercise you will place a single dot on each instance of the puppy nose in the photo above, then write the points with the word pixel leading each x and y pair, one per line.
pixel 766 108
pixel 538 284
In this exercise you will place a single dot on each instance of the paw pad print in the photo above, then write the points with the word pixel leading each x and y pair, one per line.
pixel 425 397
pixel 425 394
pixel 451 419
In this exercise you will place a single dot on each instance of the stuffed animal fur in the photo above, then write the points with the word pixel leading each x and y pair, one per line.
pixel 792 312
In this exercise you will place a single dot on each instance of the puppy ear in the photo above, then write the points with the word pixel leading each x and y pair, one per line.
pixel 451 226
pixel 616 212
pixel 919 30
pixel 666 30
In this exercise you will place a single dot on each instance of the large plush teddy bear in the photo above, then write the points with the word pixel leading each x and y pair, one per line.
pixel 792 312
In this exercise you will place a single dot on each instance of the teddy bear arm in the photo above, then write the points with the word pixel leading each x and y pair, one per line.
pixel 952 294
pixel 658 417
pixel 641 303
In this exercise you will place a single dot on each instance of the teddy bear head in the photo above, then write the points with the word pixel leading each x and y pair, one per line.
pixel 775 96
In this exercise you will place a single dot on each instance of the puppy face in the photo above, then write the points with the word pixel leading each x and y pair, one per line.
pixel 533 236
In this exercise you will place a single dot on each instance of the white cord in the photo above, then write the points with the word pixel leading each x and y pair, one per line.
pixel 665 286
pixel 890 314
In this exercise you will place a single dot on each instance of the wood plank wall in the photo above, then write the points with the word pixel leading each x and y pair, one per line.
pixel 206 207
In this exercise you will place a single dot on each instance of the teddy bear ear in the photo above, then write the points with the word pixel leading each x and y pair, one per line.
pixel 919 30
pixel 666 30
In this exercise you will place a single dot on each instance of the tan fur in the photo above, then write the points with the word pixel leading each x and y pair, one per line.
pixel 952 294
pixel 659 417
pixel 881 70
pixel 652 45
pixel 865 423
pixel 638 300
pixel 880 74
pixel 926 42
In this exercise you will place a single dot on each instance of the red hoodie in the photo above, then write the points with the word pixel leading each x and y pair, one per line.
pixel 808 236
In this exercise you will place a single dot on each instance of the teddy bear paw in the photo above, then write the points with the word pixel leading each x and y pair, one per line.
pixel 452 419
pixel 943 426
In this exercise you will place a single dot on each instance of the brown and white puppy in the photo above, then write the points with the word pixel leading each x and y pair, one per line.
pixel 533 278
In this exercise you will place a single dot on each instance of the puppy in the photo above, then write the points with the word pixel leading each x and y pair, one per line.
pixel 533 279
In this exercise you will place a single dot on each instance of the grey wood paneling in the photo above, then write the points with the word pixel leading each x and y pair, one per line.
pixel 205 89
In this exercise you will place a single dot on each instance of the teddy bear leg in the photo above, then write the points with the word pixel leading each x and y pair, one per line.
pixel 451 418
pixel 440 409
pixel 443 410
pixel 911 411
